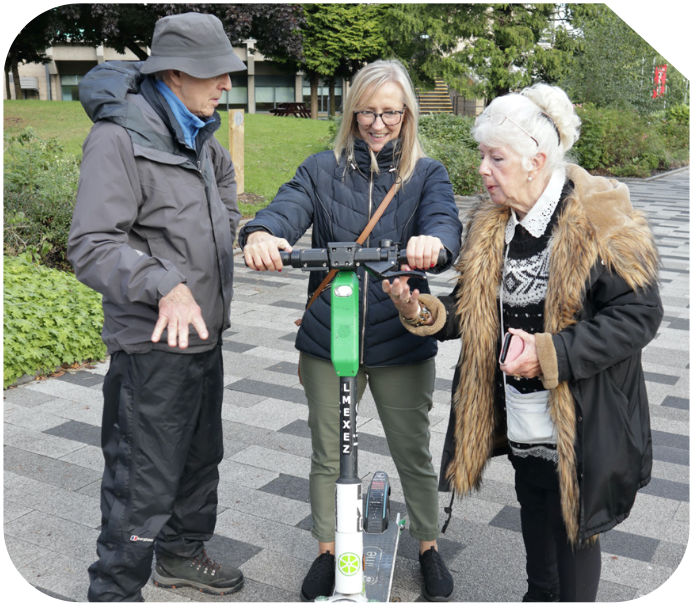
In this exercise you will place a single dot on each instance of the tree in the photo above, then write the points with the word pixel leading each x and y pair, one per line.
pixel 275 27
pixel 28 47
pixel 338 39
pixel 481 50
pixel 614 66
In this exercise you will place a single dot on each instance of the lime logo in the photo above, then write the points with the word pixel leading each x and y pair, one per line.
pixel 348 563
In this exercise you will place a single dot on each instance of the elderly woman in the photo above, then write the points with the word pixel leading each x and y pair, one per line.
pixel 337 193
pixel 561 261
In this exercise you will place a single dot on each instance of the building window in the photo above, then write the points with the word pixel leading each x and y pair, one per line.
pixel 273 90
pixel 237 97
pixel 323 94
pixel 68 87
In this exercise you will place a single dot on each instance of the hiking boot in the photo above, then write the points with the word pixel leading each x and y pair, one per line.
pixel 200 572
pixel 541 596
pixel 438 582
pixel 320 579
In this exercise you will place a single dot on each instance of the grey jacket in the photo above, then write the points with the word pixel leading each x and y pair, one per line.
pixel 151 212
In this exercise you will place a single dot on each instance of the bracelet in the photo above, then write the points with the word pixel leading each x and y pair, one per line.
pixel 422 318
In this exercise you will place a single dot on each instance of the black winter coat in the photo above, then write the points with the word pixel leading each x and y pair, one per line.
pixel 339 202
pixel 601 309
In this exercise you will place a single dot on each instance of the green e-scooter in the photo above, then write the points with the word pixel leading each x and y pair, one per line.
pixel 366 539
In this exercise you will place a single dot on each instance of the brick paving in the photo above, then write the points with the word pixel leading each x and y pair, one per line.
pixel 52 462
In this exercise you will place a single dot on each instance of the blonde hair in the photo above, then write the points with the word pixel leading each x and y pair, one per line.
pixel 365 84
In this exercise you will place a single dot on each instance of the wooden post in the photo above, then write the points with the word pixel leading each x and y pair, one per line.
pixel 236 126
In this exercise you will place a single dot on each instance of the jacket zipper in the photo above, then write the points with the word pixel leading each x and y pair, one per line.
pixel 214 240
pixel 366 276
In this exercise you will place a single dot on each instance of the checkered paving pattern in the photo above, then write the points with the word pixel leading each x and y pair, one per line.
pixel 52 465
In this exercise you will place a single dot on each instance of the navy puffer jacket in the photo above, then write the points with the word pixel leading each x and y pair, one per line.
pixel 339 202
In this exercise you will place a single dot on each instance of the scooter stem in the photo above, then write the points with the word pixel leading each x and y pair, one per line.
pixel 349 539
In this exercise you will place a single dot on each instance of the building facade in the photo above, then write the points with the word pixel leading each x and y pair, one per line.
pixel 265 84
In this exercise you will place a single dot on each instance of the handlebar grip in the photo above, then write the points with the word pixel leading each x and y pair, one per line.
pixel 441 261
pixel 285 256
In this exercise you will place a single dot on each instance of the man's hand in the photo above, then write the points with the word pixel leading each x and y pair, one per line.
pixel 262 251
pixel 177 309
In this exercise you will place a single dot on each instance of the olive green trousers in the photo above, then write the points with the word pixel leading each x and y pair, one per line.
pixel 403 397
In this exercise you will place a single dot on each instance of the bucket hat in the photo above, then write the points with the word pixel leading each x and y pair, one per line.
pixel 193 43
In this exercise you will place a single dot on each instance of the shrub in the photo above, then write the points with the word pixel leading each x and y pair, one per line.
pixel 449 129
pixel 40 185
pixel 678 114
pixel 623 143
pixel 447 138
pixel 50 319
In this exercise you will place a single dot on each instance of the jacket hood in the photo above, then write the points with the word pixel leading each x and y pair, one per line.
pixel 103 90
pixel 606 201
pixel 624 239
pixel 119 92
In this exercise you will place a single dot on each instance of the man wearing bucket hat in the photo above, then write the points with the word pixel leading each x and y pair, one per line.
pixel 153 231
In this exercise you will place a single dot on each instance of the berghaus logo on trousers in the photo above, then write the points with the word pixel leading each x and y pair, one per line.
pixel 137 538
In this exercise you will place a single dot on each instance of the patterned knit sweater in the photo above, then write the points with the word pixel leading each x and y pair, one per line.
pixel 523 289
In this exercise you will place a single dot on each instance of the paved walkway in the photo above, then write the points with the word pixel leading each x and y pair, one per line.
pixel 52 464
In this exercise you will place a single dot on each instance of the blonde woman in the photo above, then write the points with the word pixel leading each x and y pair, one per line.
pixel 336 193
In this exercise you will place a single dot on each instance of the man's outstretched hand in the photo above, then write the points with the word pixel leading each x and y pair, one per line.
pixel 177 310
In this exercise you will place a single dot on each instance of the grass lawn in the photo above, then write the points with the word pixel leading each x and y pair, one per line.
pixel 274 146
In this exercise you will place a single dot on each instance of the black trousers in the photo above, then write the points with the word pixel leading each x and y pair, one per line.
pixel 162 442
pixel 553 566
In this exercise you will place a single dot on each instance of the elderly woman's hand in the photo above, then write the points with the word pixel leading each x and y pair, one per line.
pixel 527 364
pixel 262 251
pixel 423 251
pixel 406 303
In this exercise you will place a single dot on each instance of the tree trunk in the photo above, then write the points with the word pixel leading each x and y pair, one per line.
pixel 331 93
pixel 7 85
pixel 17 85
pixel 136 50
pixel 314 95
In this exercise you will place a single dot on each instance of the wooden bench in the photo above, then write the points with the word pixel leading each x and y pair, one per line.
pixel 291 109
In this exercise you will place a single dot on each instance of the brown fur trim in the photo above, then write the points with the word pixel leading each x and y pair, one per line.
pixel 548 360
pixel 479 268
pixel 438 314
pixel 632 253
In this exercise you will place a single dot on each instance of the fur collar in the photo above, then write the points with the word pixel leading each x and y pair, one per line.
pixel 597 226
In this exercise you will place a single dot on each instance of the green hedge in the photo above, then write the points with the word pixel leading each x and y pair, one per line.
pixel 39 189
pixel 446 138
pixel 624 143
pixel 50 319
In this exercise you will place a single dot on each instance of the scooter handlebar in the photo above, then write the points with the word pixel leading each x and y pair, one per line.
pixel 318 258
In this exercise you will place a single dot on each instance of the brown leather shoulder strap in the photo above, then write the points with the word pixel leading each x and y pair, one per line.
pixel 362 237
pixel 377 215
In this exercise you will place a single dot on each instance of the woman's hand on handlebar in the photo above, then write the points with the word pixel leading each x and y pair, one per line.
pixel 423 251
pixel 262 251
pixel 406 302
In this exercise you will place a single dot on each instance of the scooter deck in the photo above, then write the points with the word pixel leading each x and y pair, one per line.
pixel 380 550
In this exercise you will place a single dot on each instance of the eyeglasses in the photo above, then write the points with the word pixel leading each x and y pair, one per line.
pixel 389 117
pixel 499 119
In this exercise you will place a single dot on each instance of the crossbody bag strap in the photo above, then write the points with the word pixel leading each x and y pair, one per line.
pixel 362 237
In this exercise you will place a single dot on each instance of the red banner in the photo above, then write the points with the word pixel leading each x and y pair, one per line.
pixel 659 80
